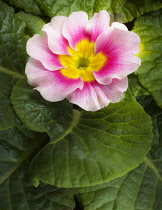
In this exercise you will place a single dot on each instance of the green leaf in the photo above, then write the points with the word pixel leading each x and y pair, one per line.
pixel 12 40
pixel 40 115
pixel 16 144
pixel 93 148
pixel 149 28
pixel 134 88
pixel 7 115
pixel 34 24
pixel 123 10
pixel 155 112
pixel 28 6
pixel 17 192
pixel 139 189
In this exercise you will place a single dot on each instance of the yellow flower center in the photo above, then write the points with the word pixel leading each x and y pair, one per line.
pixel 82 61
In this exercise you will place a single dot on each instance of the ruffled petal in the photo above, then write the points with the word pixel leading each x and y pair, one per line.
pixel 97 24
pixel 115 42
pixel 52 85
pixel 119 46
pixel 74 28
pixel 117 67
pixel 37 48
pixel 56 41
pixel 95 96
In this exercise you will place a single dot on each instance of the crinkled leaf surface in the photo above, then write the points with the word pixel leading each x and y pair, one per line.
pixel 139 189
pixel 28 6
pixel 34 23
pixel 17 147
pixel 40 115
pixel 155 112
pixel 134 88
pixel 16 144
pixel 123 10
pixel 17 192
pixel 12 40
pixel 8 118
pixel 149 28
pixel 92 147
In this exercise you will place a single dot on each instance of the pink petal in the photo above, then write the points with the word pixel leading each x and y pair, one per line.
pixel 95 96
pixel 37 48
pixel 117 67
pixel 97 24
pixel 74 28
pixel 117 41
pixel 52 85
pixel 119 46
pixel 56 42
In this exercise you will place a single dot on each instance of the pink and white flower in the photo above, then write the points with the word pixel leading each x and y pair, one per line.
pixel 85 61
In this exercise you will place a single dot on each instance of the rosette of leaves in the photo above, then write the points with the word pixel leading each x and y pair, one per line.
pixel 83 159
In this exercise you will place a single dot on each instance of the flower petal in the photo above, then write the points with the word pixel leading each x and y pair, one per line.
pixel 117 67
pixel 97 24
pixel 119 25
pixel 95 96
pixel 117 41
pixel 37 48
pixel 119 46
pixel 74 28
pixel 56 41
pixel 52 85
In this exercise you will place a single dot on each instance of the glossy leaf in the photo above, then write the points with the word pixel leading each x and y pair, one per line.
pixel 92 148
pixel 140 188
pixel 8 118
pixel 34 23
pixel 12 40
pixel 134 88
pixel 123 10
pixel 17 192
pixel 149 28
pixel 28 6
pixel 16 144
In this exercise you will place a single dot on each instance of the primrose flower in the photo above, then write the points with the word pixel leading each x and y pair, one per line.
pixel 85 61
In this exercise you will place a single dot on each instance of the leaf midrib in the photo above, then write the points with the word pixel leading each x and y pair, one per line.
pixel 11 73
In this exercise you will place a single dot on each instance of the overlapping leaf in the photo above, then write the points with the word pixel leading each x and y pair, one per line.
pixel 17 145
pixel 12 40
pixel 149 28
pixel 141 187
pixel 123 10
pixel 89 148
pixel 134 88
pixel 34 23
pixel 28 6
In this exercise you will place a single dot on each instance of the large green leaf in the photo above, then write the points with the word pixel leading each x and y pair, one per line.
pixel 92 148
pixel 34 23
pixel 27 5
pixel 16 190
pixel 16 144
pixel 139 189
pixel 40 115
pixel 149 28
pixel 123 10
pixel 12 40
